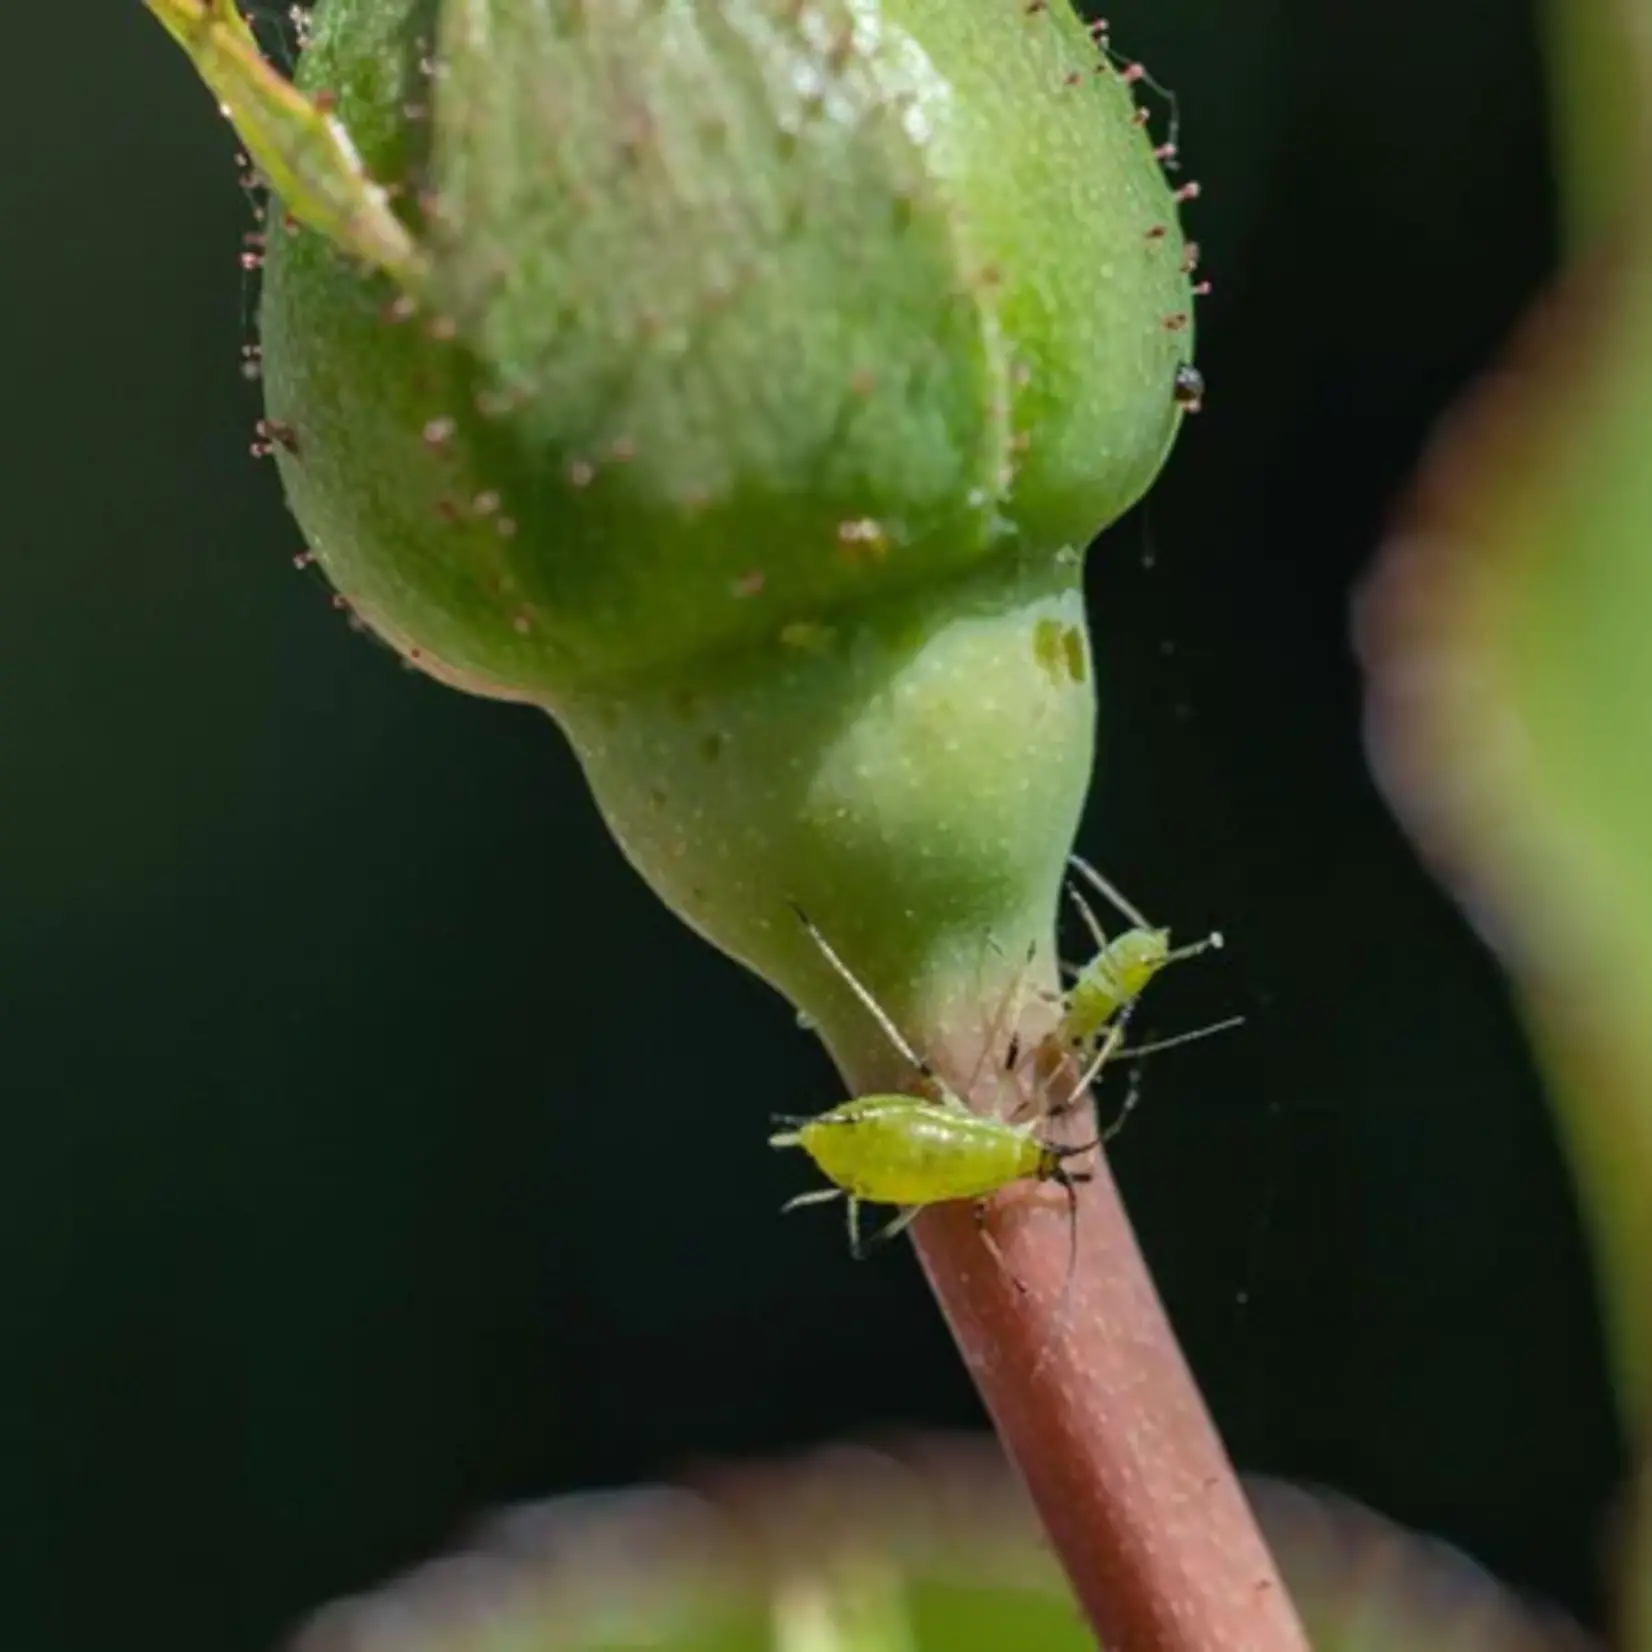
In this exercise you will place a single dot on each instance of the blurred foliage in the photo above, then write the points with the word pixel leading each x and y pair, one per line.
pixel 1508 639
pixel 1635 1610
pixel 922 1545
pixel 1596 92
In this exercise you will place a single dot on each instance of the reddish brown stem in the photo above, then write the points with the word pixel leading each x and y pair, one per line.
pixel 1093 1401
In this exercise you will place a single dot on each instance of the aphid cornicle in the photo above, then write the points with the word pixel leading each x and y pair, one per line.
pixel 1122 968
pixel 912 1151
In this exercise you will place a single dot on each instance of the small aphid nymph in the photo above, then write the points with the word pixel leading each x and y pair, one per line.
pixel 1122 968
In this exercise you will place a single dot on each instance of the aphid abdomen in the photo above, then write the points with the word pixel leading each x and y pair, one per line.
pixel 899 1150
pixel 1092 1001
pixel 1116 976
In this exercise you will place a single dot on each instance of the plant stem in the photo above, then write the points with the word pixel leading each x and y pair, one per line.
pixel 1094 1403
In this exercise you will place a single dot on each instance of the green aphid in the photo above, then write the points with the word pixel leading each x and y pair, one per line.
pixel 1122 968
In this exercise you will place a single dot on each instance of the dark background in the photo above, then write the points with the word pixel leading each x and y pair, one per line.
pixel 377 1149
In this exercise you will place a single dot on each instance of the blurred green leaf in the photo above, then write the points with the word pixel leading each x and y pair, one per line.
pixel 1637 1604
pixel 1509 638
pixel 1364 1584
pixel 1595 92
pixel 929 1546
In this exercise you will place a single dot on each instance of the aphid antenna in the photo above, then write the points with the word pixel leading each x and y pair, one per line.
pixel 1136 1051
pixel 871 1005
pixel 1213 942
pixel 1132 1097
pixel 1068 1181
pixel 1095 878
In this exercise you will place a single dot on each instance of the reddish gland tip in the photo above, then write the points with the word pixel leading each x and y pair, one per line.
pixel 272 433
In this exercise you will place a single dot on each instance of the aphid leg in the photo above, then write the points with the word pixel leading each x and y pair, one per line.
pixel 1136 1051
pixel 992 1245
pixel 818 1196
pixel 1048 1059
pixel 1100 1054
pixel 1046 1055
pixel 1132 1096
pixel 1102 1137
pixel 1104 1052
pixel 897 1225
pixel 868 1002
pixel 1086 870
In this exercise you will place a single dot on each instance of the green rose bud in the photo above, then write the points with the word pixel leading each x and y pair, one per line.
pixel 740 380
